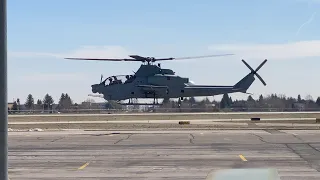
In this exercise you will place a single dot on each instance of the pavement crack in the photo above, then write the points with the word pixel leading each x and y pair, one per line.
pixel 191 139
pixel 261 138
pixel 297 137
pixel 274 131
pixel 54 140
pixel 297 149
pixel 315 149
pixel 129 135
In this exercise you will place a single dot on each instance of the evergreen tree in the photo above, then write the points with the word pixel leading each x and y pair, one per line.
pixel 225 101
pixel 18 104
pixel 299 98
pixel 14 106
pixel 47 101
pixel 260 98
pixel 39 102
pixel 68 101
pixel 62 97
pixel 251 103
pixel 230 101
pixel 207 101
pixel 250 99
pixel 318 101
pixel 192 100
pixel 29 102
pixel 65 101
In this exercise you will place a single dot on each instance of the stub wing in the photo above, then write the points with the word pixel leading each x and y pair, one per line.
pixel 149 87
pixel 153 89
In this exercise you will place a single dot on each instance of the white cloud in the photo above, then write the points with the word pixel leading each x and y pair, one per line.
pixel 33 55
pixel 300 49
pixel 54 77
pixel 84 51
pixel 100 52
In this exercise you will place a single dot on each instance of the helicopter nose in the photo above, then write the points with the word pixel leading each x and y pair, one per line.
pixel 94 88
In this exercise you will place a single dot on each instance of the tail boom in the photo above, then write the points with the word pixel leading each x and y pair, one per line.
pixel 241 86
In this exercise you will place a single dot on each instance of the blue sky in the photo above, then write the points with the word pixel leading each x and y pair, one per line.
pixel 41 33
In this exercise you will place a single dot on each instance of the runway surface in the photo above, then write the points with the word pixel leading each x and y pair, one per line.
pixel 161 154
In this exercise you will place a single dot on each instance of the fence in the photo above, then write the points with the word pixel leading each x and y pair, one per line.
pixel 157 110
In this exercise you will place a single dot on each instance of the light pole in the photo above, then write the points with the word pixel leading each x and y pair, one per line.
pixel 3 92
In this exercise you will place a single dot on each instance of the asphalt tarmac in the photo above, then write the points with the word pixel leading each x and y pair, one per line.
pixel 155 155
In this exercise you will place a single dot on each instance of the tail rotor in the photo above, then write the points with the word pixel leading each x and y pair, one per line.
pixel 257 69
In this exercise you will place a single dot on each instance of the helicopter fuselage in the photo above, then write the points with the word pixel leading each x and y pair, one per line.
pixel 151 81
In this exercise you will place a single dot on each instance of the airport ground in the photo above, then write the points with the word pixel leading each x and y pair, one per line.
pixel 160 148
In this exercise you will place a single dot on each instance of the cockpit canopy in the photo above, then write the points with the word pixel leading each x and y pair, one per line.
pixel 119 79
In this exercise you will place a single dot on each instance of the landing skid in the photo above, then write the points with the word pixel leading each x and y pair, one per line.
pixel 143 104
pixel 132 102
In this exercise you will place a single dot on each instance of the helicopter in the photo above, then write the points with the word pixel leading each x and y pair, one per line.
pixel 152 81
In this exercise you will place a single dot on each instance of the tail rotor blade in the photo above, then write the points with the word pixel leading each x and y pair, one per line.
pixel 101 78
pixel 255 71
pixel 261 65
pixel 264 83
pixel 247 65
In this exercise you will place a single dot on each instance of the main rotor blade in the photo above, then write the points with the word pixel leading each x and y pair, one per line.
pixel 102 59
pixel 197 57
pixel 143 59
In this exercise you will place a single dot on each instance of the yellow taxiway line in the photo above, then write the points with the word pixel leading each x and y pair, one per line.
pixel 242 158
pixel 83 166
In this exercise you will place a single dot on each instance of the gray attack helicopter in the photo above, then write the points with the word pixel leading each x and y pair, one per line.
pixel 152 81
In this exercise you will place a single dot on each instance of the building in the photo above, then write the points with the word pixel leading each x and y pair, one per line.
pixel 10 105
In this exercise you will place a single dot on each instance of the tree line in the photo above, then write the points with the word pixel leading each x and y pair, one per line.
pixel 65 102
pixel 268 102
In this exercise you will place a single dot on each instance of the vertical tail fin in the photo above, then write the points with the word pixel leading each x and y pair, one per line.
pixel 246 82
